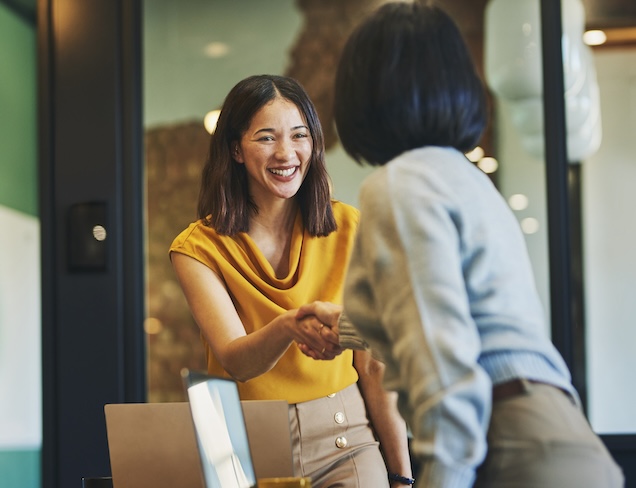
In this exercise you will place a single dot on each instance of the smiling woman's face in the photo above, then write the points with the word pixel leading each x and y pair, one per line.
pixel 275 149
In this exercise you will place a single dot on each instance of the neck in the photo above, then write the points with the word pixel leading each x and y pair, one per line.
pixel 271 230
pixel 275 216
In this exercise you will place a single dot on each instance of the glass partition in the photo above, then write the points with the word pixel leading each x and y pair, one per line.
pixel 600 103
pixel 195 51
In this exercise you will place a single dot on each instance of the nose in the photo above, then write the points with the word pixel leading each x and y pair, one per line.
pixel 284 150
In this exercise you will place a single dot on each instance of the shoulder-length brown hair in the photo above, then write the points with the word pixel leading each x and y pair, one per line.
pixel 224 200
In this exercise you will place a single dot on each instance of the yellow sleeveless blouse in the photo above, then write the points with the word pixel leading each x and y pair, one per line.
pixel 316 272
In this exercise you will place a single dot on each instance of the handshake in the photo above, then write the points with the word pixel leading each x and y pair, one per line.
pixel 326 331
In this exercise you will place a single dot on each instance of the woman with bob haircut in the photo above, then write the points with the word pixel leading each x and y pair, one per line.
pixel 269 239
pixel 439 281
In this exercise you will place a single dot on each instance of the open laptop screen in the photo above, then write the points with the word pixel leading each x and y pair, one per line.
pixel 220 430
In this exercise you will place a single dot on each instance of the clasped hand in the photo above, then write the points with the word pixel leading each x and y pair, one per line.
pixel 320 321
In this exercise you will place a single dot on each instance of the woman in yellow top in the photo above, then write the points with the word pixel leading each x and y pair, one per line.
pixel 268 240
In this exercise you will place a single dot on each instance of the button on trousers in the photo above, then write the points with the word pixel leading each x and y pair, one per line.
pixel 333 442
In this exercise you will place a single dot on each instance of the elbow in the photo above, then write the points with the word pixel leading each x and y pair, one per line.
pixel 238 374
pixel 241 378
pixel 375 369
pixel 242 370
pixel 376 366
pixel 369 367
pixel 241 364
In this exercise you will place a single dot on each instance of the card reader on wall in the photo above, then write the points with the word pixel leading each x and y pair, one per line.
pixel 87 236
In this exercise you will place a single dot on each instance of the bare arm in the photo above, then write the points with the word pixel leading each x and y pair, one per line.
pixel 243 356
pixel 387 423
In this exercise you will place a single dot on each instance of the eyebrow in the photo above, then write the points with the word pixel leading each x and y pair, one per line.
pixel 269 129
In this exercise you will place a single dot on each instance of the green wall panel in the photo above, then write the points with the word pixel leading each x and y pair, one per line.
pixel 19 468
pixel 18 113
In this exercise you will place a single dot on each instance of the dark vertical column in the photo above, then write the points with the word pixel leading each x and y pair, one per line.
pixel 50 468
pixel 133 200
pixel 90 174
pixel 567 285
pixel 579 358
pixel 556 174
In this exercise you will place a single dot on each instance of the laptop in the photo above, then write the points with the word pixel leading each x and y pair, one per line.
pixel 152 445
pixel 224 449
pixel 269 437
pixel 155 444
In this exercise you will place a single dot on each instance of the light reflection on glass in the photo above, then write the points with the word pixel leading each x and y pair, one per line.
pixel 221 434
pixel 210 120
pixel 518 201
pixel 530 225
pixel 488 165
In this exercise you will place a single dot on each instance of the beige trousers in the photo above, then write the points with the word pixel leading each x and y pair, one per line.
pixel 541 439
pixel 333 442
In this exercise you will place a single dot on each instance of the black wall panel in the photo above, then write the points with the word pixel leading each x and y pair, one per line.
pixel 92 297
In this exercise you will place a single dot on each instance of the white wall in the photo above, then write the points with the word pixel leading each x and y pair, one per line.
pixel 609 193
pixel 20 363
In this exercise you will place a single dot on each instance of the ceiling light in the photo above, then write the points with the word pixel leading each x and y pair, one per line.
pixel 216 49
pixel 594 37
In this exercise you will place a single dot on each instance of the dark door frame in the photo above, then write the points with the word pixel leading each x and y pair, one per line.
pixel 90 154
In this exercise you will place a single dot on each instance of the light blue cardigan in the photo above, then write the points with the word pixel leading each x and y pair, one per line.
pixel 440 284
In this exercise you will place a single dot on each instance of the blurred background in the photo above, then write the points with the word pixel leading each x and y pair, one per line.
pixel 194 51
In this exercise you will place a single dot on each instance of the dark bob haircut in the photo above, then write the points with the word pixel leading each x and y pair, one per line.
pixel 406 80
pixel 224 200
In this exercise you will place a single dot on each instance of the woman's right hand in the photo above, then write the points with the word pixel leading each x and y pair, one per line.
pixel 320 317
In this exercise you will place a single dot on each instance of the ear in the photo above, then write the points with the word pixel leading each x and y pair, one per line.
pixel 236 153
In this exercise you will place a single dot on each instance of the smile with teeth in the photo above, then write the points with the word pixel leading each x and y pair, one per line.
pixel 283 172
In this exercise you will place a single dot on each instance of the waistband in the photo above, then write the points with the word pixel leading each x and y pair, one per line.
pixel 520 386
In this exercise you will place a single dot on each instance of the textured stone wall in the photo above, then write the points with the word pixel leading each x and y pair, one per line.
pixel 315 54
pixel 174 159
